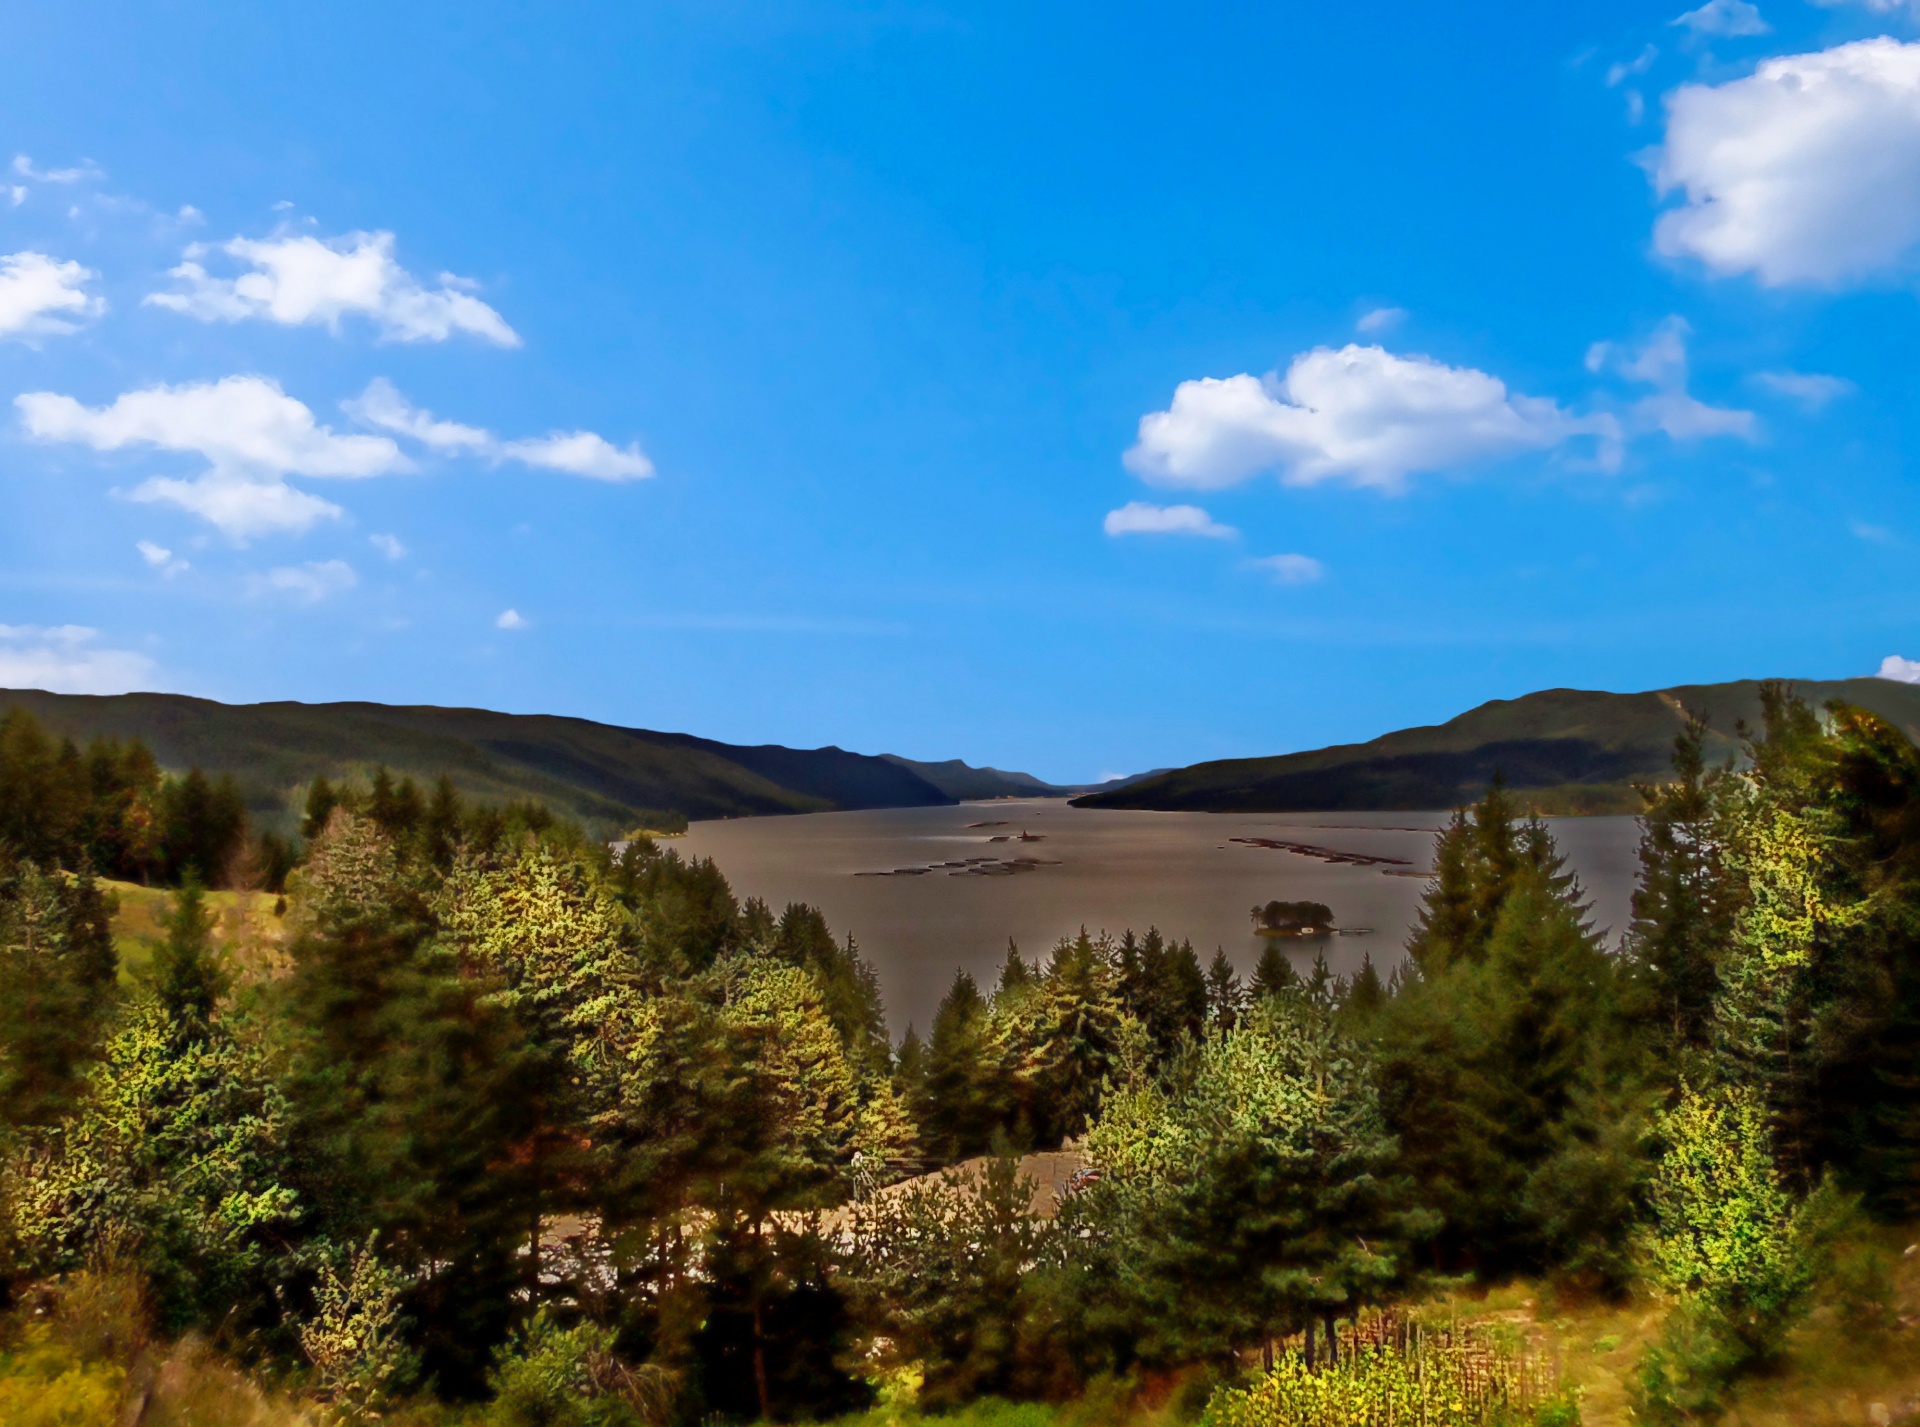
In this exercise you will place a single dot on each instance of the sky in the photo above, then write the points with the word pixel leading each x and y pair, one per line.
pixel 1078 389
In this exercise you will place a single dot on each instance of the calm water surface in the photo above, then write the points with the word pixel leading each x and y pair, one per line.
pixel 1105 870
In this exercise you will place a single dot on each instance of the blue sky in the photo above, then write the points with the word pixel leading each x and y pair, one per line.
pixel 1078 391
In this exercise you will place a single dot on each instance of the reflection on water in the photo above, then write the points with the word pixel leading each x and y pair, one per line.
pixel 926 890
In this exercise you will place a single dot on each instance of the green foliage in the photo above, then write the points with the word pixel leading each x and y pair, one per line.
pixel 1266 1172
pixel 179 1154
pixel 57 970
pixel 1471 1385
pixel 352 1337
pixel 1731 1247
pixel 552 1376
pixel 43 1383
pixel 941 1275
pixel 1292 917
pixel 1508 1065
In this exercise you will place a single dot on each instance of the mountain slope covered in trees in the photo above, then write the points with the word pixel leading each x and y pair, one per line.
pixel 594 772
pixel 1569 750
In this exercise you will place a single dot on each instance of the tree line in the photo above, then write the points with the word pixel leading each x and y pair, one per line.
pixel 512 1112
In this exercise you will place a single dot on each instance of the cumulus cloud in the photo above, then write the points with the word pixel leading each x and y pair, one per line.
pixel 1806 171
pixel 309 583
pixel 64 659
pixel 42 297
pixel 1732 18
pixel 250 433
pixel 1360 414
pixel 510 619
pixel 1381 319
pixel 1905 671
pixel 578 453
pixel 1661 362
pixel 160 558
pixel 1137 517
pixel 300 280
pixel 388 545
pixel 1291 569
pixel 1812 390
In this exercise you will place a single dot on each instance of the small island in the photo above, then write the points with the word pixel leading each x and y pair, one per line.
pixel 1293 919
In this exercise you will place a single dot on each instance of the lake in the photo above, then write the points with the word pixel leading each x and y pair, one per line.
pixel 927 890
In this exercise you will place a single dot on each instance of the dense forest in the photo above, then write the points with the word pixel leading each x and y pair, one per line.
pixel 505 1130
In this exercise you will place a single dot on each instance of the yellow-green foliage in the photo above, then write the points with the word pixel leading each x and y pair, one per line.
pixel 44 1384
pixel 1474 1384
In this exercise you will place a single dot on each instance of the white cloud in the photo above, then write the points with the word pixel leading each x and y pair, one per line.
pixel 63 660
pixel 300 279
pixel 1381 319
pixel 578 453
pixel 1661 362
pixel 388 545
pixel 382 405
pixel 1874 534
pixel 1877 7
pixel 1732 18
pixel 1625 69
pixel 1905 671
pixel 1812 390
pixel 510 619
pixel 84 170
pixel 1137 517
pixel 1360 414
pixel 309 583
pixel 250 433
pixel 1806 171
pixel 581 453
pixel 1291 569
pixel 41 297
pixel 160 558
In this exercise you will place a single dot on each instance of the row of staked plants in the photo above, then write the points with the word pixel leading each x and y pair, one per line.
pixel 518 1132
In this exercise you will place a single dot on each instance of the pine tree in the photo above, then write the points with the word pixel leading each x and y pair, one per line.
pixel 188 979
pixel 962 1100
pixel 1273 975
pixel 1684 903
pixel 1226 998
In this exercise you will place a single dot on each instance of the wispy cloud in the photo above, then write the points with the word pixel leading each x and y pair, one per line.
pixel 1290 569
pixel 309 583
pixel 1380 319
pixel 1812 390
pixel 161 558
pixel 1661 362
pixel 388 545
pixel 510 619
pixel 1731 19
pixel 1137 517
pixel 575 453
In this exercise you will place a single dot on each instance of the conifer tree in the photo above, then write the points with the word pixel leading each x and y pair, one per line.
pixel 1273 975
pixel 1226 998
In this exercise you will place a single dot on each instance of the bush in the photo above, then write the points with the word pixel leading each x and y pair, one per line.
pixel 44 1383
pixel 549 1376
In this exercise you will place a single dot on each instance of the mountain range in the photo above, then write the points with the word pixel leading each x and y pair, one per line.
pixel 610 778
pixel 1563 750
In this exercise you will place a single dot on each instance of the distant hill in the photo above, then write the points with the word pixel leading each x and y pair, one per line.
pixel 964 783
pixel 1567 750
pixel 611 778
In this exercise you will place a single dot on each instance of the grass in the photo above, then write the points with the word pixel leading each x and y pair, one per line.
pixel 251 927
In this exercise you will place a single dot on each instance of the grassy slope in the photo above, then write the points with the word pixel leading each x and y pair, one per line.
pixel 1576 750
pixel 590 771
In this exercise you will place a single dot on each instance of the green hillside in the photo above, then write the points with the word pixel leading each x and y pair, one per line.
pixel 610 778
pixel 1570 750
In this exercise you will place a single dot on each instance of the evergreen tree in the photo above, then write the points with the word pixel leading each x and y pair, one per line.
pixel 55 980
pixel 962 1098
pixel 1226 998
pixel 187 976
pixel 1273 974
pixel 320 803
pixel 1509 1071
pixel 1684 903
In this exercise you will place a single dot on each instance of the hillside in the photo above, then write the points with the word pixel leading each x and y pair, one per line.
pixel 1569 750
pixel 612 778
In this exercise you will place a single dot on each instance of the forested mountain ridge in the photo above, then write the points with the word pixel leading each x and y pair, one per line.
pixel 1567 750
pixel 597 773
